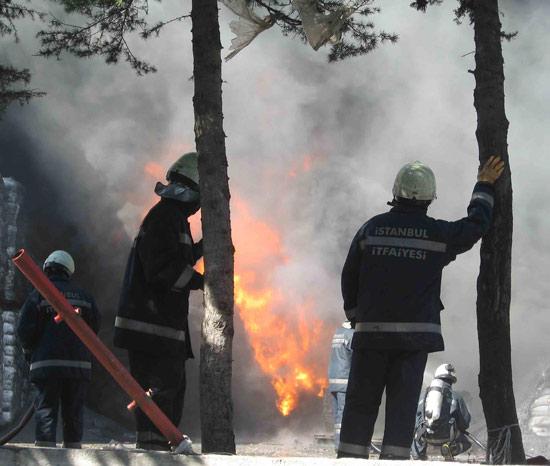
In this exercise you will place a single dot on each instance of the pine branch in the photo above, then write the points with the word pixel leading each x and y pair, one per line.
pixel 9 77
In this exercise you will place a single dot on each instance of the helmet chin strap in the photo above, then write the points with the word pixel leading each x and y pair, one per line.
pixel 178 192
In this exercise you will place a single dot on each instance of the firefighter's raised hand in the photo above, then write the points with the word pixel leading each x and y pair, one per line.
pixel 491 171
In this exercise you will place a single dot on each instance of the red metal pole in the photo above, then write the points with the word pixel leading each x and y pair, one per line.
pixel 107 359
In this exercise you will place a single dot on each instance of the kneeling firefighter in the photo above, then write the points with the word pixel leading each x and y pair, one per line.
pixel 391 283
pixel 60 364
pixel 442 417
pixel 152 317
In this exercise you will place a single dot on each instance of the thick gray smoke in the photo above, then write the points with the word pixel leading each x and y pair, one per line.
pixel 313 148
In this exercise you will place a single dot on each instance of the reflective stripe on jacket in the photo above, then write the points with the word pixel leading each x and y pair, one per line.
pixel 152 314
pixel 340 360
pixel 55 350
pixel 391 280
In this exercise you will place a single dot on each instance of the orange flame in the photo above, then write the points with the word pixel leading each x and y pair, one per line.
pixel 305 165
pixel 285 336
pixel 155 170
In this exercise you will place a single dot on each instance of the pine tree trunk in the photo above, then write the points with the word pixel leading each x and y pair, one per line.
pixel 217 328
pixel 494 281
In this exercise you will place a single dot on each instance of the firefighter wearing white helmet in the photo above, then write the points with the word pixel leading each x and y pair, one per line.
pixel 60 259
pixel 391 283
pixel 446 372
pixel 442 417
pixel 415 181
pixel 60 364
pixel 151 322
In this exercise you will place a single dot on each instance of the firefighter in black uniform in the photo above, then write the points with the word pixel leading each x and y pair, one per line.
pixel 391 284
pixel 152 317
pixel 60 364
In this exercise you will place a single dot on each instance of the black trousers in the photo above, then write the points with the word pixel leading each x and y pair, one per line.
pixel 166 377
pixel 400 373
pixel 51 394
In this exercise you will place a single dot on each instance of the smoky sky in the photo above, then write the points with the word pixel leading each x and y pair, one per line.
pixel 358 121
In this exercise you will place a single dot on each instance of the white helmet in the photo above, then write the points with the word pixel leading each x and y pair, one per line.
pixel 415 181
pixel 446 372
pixel 62 259
pixel 187 166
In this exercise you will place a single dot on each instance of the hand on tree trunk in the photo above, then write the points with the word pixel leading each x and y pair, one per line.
pixel 491 171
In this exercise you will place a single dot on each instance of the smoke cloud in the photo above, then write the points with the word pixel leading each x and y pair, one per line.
pixel 313 149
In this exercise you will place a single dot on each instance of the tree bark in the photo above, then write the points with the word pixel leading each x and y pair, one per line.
pixel 494 281
pixel 217 328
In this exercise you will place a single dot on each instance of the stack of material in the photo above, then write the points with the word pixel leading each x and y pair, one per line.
pixel 539 411
pixel 14 391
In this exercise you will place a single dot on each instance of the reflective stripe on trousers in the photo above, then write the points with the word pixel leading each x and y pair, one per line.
pixel 354 449
pixel 398 327
pixel 395 451
pixel 151 329
pixel 338 381
pixel 61 363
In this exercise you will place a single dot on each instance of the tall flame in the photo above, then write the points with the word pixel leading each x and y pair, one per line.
pixel 285 335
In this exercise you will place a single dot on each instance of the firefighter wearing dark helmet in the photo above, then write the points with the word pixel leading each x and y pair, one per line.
pixel 152 317
pixel 60 364
pixel 391 284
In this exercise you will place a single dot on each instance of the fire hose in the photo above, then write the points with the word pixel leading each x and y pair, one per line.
pixel 179 442
pixel 21 423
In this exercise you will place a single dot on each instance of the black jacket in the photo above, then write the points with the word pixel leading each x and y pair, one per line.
pixel 154 303
pixel 391 281
pixel 55 351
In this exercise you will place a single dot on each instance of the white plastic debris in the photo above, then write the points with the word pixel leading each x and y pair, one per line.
pixel 247 27
pixel 321 28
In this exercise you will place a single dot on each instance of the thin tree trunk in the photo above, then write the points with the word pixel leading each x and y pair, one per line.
pixel 217 328
pixel 494 281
